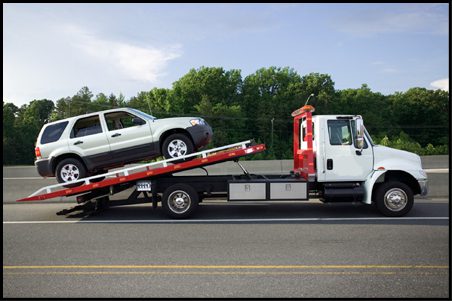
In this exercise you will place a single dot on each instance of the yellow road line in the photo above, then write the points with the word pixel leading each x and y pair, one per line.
pixel 228 267
pixel 221 273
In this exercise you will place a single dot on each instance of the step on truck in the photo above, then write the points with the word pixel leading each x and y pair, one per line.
pixel 334 160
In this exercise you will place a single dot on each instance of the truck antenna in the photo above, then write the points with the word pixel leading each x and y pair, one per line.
pixel 309 98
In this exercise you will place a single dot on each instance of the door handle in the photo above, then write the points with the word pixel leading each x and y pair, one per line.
pixel 329 164
pixel 116 135
pixel 78 142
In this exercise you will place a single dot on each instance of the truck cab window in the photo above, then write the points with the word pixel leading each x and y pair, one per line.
pixel 339 132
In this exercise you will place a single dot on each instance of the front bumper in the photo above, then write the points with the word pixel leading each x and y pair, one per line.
pixel 201 135
pixel 44 167
pixel 423 185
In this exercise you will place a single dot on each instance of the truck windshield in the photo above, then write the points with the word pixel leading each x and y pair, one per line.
pixel 142 114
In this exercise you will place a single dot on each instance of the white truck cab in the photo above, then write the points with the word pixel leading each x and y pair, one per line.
pixel 349 166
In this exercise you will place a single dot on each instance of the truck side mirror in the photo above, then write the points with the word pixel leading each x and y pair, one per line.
pixel 359 133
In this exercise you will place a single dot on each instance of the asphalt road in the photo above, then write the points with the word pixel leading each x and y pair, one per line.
pixel 307 250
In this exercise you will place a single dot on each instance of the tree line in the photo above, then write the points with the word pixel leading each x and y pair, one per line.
pixel 257 106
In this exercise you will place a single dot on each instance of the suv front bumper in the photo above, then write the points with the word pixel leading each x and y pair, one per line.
pixel 44 167
pixel 201 134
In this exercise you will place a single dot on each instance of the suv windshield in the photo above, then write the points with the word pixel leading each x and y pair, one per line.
pixel 142 114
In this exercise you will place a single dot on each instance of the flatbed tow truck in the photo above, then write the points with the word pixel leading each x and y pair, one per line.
pixel 335 160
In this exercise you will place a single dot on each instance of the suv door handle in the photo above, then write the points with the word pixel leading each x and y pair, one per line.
pixel 78 142
pixel 116 135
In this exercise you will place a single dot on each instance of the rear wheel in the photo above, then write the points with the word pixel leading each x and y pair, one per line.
pixel 177 145
pixel 394 198
pixel 70 169
pixel 179 201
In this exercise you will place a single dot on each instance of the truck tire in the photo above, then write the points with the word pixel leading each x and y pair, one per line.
pixel 177 145
pixel 394 198
pixel 70 169
pixel 179 201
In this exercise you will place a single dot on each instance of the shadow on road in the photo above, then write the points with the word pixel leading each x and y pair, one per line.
pixel 316 213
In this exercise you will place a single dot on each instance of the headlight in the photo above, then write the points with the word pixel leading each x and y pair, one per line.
pixel 198 121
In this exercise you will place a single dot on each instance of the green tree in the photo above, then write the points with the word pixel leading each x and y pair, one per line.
pixel 212 93
pixel 322 86
pixel 422 114
pixel 9 133
pixel 373 106
pixel 272 94
pixel 214 83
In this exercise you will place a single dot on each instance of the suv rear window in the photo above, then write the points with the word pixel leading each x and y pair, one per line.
pixel 53 132
pixel 86 126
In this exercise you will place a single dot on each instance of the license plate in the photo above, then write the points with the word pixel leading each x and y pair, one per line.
pixel 144 185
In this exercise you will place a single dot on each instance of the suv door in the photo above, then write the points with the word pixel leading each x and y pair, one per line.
pixel 89 139
pixel 129 136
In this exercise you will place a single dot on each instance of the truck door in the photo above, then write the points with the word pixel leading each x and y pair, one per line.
pixel 343 159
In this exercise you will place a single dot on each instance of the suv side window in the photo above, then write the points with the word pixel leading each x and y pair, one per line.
pixel 339 132
pixel 86 126
pixel 119 120
pixel 53 132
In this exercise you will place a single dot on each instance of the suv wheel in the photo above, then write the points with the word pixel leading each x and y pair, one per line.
pixel 70 170
pixel 177 145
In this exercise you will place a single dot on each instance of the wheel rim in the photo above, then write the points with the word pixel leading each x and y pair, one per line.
pixel 179 201
pixel 69 172
pixel 177 148
pixel 395 199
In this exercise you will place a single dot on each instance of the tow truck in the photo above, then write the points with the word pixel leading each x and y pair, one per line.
pixel 334 160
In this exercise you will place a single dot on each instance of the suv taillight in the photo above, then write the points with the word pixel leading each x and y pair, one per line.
pixel 38 153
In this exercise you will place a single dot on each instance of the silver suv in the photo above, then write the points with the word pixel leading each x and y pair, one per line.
pixel 89 144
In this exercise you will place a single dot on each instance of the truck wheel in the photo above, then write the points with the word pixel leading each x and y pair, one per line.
pixel 177 145
pixel 179 201
pixel 70 169
pixel 394 198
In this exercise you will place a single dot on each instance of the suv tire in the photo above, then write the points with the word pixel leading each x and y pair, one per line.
pixel 177 145
pixel 70 169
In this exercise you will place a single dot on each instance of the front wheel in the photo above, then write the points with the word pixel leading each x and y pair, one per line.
pixel 179 201
pixel 394 198
pixel 69 170
pixel 177 145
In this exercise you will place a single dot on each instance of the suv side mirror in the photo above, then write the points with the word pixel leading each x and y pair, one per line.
pixel 359 133
pixel 138 121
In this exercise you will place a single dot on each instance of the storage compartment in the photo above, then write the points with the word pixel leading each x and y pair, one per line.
pixel 247 191
pixel 288 191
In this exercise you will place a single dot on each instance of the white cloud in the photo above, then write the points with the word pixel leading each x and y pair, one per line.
pixel 135 62
pixel 442 84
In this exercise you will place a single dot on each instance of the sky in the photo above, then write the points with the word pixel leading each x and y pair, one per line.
pixel 50 51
